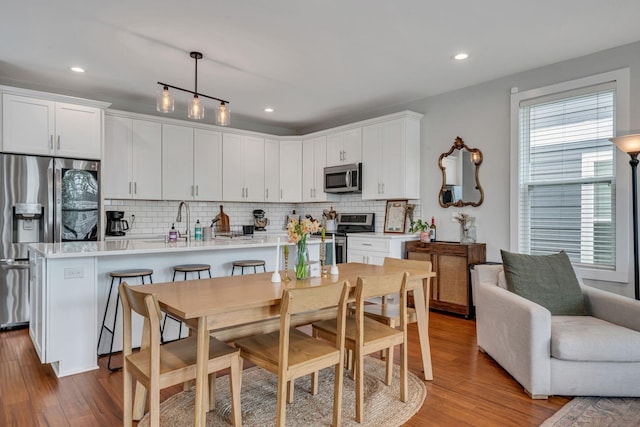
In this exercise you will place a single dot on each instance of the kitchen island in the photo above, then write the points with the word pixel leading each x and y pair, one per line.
pixel 70 282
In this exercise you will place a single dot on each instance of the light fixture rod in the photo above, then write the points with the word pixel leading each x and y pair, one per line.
pixel 194 93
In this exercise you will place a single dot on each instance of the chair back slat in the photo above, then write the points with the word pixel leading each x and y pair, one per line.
pixel 376 286
pixel 300 300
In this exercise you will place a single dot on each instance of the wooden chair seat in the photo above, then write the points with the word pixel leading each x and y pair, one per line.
pixel 290 353
pixel 155 367
pixel 389 314
pixel 364 335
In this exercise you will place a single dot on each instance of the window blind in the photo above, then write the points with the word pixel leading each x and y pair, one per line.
pixel 567 175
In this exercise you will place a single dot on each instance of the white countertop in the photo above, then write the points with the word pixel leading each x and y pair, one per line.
pixel 141 246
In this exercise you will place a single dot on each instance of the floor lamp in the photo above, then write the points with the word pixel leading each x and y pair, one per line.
pixel 630 144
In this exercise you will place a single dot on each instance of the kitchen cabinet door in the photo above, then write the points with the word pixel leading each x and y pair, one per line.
pixel 28 125
pixel 254 169
pixel 43 127
pixel 78 131
pixel 291 171
pixel 344 147
pixel 117 167
pixel 271 170
pixel 391 159
pixel 177 162
pixel 146 155
pixel 243 168
pixel 207 165
pixel 314 160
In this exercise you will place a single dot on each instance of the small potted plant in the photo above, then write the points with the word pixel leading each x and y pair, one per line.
pixel 422 227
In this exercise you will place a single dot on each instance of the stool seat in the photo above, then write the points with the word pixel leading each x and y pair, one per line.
pixel 249 263
pixel 186 268
pixel 244 263
pixel 134 272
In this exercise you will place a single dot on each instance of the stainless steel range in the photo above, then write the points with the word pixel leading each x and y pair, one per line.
pixel 349 223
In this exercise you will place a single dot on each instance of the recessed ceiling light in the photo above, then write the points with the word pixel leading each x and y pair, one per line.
pixel 268 110
pixel 77 69
pixel 460 56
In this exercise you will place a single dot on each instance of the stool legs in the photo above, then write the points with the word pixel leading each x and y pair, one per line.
pixel 115 318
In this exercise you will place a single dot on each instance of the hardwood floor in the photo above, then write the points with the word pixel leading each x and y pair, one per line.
pixel 469 388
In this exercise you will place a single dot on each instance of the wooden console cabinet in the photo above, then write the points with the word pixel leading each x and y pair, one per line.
pixel 451 288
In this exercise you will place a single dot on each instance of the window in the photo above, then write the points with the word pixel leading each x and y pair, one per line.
pixel 566 188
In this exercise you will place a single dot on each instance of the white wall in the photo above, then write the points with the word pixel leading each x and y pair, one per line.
pixel 480 116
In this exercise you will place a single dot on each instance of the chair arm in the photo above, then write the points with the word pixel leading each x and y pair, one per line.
pixel 517 334
pixel 614 308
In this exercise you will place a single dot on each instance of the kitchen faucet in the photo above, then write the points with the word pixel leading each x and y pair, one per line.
pixel 179 217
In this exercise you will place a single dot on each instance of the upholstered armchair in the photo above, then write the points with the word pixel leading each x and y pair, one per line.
pixel 597 354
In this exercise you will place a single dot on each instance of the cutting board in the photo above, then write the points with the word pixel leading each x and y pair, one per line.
pixel 223 224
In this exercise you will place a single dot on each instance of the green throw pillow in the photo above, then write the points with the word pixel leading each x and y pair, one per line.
pixel 548 280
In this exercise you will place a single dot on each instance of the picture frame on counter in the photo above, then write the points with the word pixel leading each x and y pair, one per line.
pixel 395 217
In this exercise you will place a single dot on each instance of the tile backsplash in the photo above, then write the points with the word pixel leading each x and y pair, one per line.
pixel 156 217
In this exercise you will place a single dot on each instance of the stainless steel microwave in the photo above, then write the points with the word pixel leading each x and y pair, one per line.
pixel 343 178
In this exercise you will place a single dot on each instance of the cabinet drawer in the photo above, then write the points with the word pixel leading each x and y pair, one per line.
pixel 364 244
pixel 444 249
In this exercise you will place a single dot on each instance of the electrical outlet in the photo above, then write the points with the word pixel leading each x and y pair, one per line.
pixel 73 273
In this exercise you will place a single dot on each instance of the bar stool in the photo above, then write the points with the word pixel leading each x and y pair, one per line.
pixel 183 268
pixel 242 264
pixel 120 274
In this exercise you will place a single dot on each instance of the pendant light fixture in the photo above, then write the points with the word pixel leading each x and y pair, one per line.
pixel 165 102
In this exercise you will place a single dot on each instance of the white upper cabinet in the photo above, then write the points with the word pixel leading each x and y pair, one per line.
pixel 207 164
pixel 391 159
pixel 314 160
pixel 291 171
pixel 44 127
pixel 344 147
pixel 191 163
pixel 271 170
pixel 243 168
pixel 132 167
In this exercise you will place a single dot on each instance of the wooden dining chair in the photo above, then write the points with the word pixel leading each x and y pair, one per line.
pixel 389 313
pixel 291 354
pixel 364 335
pixel 157 366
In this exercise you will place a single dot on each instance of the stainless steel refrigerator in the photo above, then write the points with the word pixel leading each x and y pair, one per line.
pixel 42 199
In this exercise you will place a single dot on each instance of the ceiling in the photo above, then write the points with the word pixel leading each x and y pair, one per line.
pixel 316 62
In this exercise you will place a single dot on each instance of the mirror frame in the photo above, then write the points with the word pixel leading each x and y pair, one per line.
pixel 476 155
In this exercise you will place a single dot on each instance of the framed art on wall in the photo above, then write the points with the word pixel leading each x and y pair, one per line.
pixel 395 216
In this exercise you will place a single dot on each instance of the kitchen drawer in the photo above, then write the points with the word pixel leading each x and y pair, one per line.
pixel 368 244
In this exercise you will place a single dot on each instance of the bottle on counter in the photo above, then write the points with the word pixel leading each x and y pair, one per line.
pixel 173 233
pixel 197 235
pixel 432 230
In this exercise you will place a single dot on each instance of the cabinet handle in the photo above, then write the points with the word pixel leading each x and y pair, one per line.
pixel 58 142
pixel 51 142
pixel 311 192
pixel 366 244
pixel 247 192
pixel 129 187
pixel 135 187
pixel 266 192
pixel 383 188
pixel 197 192
pixel 281 193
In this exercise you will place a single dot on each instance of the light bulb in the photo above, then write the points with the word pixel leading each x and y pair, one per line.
pixel 164 102
pixel 223 115
pixel 196 110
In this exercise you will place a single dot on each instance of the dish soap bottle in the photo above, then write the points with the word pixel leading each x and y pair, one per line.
pixel 198 231
pixel 173 233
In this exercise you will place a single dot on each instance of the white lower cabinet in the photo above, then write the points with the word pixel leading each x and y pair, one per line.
pixel 373 249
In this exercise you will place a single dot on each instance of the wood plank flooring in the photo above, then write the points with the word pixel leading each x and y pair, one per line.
pixel 469 388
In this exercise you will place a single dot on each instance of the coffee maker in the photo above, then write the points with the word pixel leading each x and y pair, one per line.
pixel 259 220
pixel 116 226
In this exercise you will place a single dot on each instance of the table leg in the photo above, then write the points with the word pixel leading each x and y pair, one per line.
pixel 420 295
pixel 202 383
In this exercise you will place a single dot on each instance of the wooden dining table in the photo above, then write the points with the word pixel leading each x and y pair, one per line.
pixel 236 306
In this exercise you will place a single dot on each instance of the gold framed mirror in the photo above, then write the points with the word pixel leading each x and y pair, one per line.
pixel 460 182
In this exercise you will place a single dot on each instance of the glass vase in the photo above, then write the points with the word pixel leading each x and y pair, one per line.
pixel 302 259
pixel 468 232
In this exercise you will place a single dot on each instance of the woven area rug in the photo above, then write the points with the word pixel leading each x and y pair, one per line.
pixel 597 412
pixel 382 404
